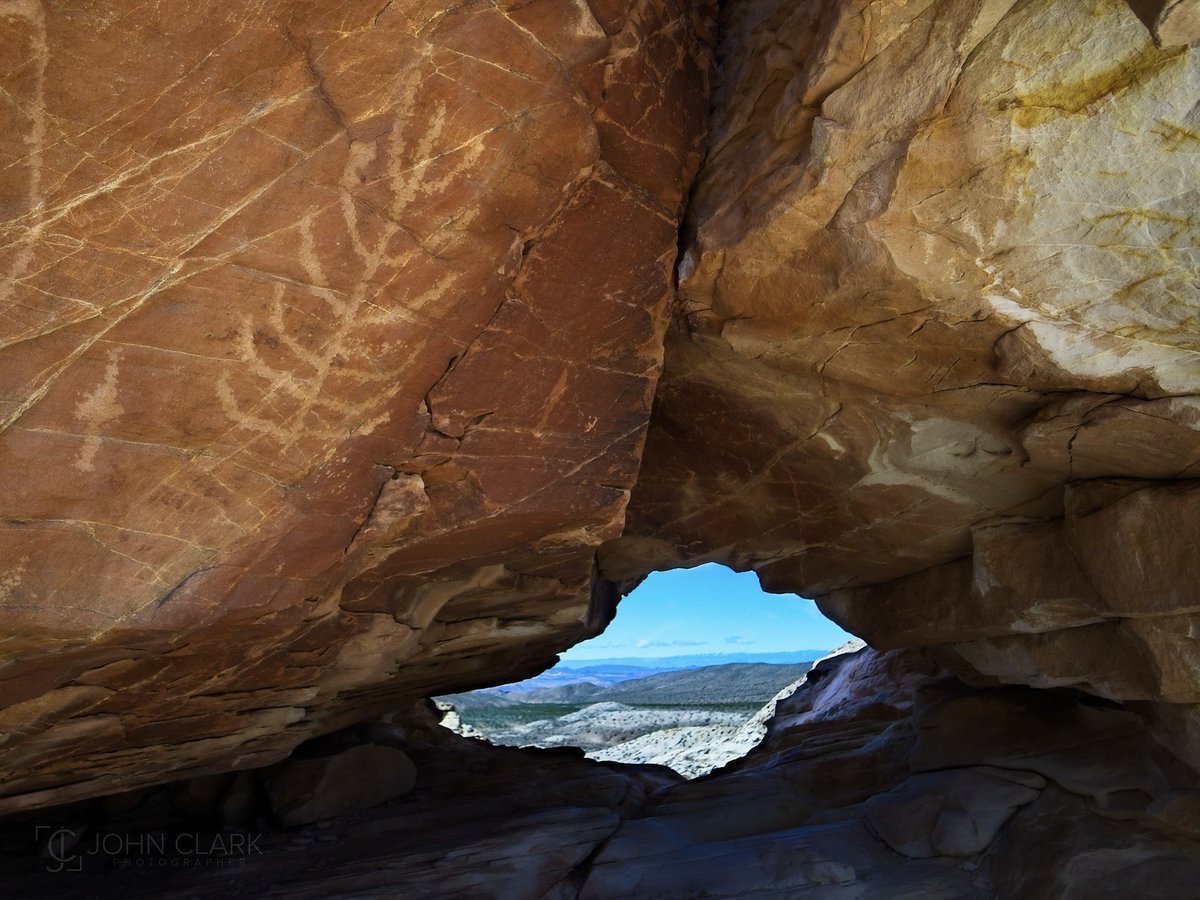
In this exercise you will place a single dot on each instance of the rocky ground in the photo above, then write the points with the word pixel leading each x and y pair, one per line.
pixel 881 778
pixel 692 721
pixel 693 751
pixel 607 723
pixel 691 741
pixel 690 750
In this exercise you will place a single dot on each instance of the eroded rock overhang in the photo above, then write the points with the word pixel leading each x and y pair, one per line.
pixel 937 336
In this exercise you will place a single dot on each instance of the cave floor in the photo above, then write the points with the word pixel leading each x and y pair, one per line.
pixel 880 778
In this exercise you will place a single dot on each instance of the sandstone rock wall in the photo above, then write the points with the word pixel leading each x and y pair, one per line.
pixel 330 336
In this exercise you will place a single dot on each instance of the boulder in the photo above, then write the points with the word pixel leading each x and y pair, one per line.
pixel 305 790
pixel 956 813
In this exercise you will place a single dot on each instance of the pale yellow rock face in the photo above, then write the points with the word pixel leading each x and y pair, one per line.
pixel 940 291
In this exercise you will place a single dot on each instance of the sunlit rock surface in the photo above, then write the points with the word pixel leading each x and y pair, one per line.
pixel 330 336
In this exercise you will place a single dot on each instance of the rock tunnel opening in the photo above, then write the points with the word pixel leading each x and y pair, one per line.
pixel 686 675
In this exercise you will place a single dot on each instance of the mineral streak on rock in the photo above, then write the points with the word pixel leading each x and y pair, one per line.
pixel 330 335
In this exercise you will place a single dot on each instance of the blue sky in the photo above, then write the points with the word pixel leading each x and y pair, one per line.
pixel 709 609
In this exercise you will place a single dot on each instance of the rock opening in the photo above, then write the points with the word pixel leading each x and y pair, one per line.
pixel 685 676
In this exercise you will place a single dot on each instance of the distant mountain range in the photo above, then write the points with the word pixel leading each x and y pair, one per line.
pixel 746 683
pixel 752 683
pixel 609 672
pixel 696 660
pixel 692 719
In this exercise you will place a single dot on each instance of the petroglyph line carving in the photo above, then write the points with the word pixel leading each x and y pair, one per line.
pixel 31 12
pixel 297 374
pixel 97 409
